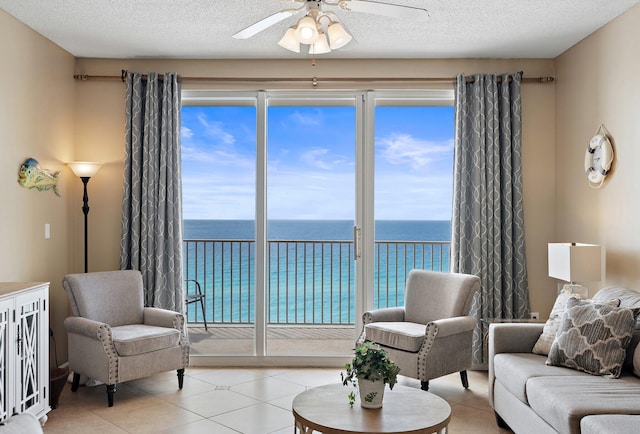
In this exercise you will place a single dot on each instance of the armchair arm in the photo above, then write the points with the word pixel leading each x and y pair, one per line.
pixel 446 347
pixel 92 351
pixel 163 318
pixel 450 326
pixel 89 328
pixel 387 314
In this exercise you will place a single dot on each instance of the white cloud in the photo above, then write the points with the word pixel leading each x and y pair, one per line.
pixel 307 119
pixel 314 157
pixel 216 130
pixel 400 149
pixel 186 133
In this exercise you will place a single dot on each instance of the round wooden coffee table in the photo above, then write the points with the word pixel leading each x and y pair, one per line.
pixel 404 410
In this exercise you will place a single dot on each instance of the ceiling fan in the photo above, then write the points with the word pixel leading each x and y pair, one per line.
pixel 321 28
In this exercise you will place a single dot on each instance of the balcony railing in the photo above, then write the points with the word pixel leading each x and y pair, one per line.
pixel 308 282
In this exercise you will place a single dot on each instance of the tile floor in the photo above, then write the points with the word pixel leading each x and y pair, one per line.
pixel 236 400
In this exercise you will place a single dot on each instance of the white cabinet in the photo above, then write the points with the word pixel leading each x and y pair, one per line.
pixel 24 349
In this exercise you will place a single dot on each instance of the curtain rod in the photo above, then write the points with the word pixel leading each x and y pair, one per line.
pixel 314 80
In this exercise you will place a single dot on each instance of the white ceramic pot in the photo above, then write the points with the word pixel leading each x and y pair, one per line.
pixel 371 393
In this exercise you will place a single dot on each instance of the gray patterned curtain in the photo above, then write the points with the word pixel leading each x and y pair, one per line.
pixel 152 201
pixel 487 222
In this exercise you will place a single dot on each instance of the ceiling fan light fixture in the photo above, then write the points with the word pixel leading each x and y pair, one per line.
pixel 290 40
pixel 307 30
pixel 338 36
pixel 321 46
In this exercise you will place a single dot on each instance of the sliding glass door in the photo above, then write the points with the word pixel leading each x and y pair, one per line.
pixel 311 199
pixel 302 210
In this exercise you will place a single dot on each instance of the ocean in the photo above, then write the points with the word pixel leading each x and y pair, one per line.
pixel 310 267
pixel 387 230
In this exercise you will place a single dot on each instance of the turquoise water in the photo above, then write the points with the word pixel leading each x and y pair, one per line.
pixel 310 269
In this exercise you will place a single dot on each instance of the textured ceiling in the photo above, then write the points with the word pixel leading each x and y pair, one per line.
pixel 203 29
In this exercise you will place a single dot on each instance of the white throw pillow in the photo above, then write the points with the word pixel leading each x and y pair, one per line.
pixel 551 327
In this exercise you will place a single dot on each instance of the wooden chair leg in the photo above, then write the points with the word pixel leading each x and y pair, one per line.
pixel 180 378
pixel 465 380
pixel 76 382
pixel 111 391
pixel 424 385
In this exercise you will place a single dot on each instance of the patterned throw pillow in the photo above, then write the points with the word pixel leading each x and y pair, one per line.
pixel 593 338
pixel 551 327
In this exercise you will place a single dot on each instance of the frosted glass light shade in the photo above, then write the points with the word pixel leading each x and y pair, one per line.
pixel 338 36
pixel 321 46
pixel 290 40
pixel 84 169
pixel 307 31
pixel 575 262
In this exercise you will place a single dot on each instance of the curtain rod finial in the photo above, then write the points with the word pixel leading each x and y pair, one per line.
pixel 123 75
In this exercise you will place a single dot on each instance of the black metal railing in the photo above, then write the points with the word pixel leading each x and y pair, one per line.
pixel 308 282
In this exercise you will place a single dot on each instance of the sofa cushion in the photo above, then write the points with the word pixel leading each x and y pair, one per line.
pixel 135 339
pixel 23 423
pixel 406 336
pixel 551 327
pixel 514 369
pixel 636 361
pixel 593 338
pixel 563 401
pixel 610 423
pixel 628 298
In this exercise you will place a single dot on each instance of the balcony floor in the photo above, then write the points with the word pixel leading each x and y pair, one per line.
pixel 282 340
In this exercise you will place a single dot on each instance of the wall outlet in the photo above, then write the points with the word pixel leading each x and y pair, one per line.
pixel 535 315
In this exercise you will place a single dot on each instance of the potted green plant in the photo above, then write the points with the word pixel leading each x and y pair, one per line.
pixel 370 370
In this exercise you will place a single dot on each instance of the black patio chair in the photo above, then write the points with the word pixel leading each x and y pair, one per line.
pixel 196 297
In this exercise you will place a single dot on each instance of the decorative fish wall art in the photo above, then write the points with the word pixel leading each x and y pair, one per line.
pixel 33 176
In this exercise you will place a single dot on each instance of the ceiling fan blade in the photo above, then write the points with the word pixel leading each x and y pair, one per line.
pixel 265 23
pixel 386 9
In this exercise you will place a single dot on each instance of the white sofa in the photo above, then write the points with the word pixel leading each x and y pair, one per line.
pixel 530 396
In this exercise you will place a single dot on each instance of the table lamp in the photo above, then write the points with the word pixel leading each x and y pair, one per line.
pixel 573 262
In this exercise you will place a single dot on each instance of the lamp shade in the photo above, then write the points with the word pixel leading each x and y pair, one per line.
pixel 84 169
pixel 575 262
pixel 338 36
pixel 307 31
pixel 321 46
pixel 290 40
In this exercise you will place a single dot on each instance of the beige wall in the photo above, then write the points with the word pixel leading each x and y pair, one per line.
pixel 37 114
pixel 597 84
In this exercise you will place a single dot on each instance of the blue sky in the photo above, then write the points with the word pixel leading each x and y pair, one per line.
pixel 311 162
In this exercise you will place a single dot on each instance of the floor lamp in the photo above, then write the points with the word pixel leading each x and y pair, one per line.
pixel 85 170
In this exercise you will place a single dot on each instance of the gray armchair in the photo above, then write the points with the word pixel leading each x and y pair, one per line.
pixel 113 338
pixel 431 335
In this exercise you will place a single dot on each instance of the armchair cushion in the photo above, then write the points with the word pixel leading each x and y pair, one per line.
pixel 123 305
pixel 130 340
pixel 447 295
pixel 406 336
